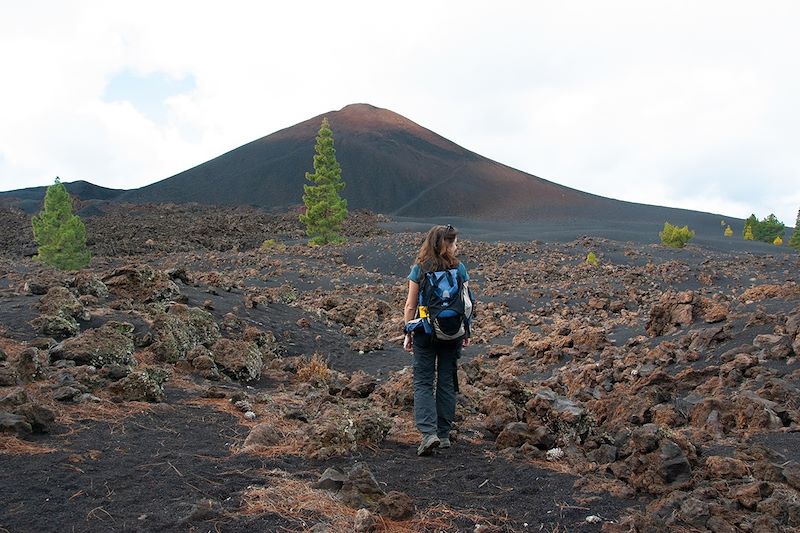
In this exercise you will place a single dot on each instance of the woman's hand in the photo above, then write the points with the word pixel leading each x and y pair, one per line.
pixel 407 344
pixel 466 342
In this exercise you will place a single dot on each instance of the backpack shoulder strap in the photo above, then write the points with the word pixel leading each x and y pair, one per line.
pixel 423 281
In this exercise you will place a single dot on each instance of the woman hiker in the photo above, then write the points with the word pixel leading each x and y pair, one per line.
pixel 434 411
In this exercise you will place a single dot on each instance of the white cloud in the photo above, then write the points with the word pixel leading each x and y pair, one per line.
pixel 685 104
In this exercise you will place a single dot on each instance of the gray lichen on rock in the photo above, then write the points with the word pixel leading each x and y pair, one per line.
pixel 180 329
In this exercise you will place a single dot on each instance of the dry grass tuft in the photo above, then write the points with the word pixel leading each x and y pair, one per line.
pixel 104 411
pixel 223 405
pixel 294 447
pixel 11 445
pixel 291 445
pixel 443 518
pixel 296 501
pixel 183 381
pixel 315 371
pixel 562 467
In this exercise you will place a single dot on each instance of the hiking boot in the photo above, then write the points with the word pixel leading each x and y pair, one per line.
pixel 444 442
pixel 429 442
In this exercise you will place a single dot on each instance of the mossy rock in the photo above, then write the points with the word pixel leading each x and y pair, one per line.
pixel 87 283
pixel 64 326
pixel 59 301
pixel 111 343
pixel 146 385
pixel 239 359
pixel 180 329
pixel 141 283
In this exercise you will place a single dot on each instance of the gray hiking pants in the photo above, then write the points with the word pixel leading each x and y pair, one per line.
pixel 434 410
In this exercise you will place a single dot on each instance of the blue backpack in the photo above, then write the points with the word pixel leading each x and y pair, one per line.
pixel 447 304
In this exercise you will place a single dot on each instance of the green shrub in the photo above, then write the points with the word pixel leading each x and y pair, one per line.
pixel 591 259
pixel 728 232
pixel 272 245
pixel 61 236
pixel 675 236
pixel 778 241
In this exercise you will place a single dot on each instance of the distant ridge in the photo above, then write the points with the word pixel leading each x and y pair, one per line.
pixel 391 165
pixel 30 199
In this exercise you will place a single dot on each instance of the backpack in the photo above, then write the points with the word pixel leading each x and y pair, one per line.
pixel 446 303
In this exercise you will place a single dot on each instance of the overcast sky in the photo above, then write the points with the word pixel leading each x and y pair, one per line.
pixel 685 104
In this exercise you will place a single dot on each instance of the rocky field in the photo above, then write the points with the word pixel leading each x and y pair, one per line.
pixel 210 372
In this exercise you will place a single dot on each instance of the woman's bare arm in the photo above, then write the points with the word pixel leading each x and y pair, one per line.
pixel 411 301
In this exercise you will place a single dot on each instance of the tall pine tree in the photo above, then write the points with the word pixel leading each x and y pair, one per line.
pixel 749 224
pixel 61 236
pixel 748 232
pixel 794 242
pixel 325 209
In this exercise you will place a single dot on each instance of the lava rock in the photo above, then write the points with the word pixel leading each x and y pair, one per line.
pixel 181 329
pixel 360 489
pixel 145 385
pixel 331 479
pixel 111 343
pixel 14 423
pixel 396 506
pixel 239 359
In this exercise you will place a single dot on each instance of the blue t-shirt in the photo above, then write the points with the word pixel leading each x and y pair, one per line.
pixel 416 273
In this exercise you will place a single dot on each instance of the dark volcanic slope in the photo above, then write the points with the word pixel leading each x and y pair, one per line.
pixel 391 165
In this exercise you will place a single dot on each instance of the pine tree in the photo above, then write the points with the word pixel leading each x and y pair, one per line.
pixel 749 224
pixel 61 236
pixel 768 228
pixel 748 232
pixel 325 209
pixel 794 242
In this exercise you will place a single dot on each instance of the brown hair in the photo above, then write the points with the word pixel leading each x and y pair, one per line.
pixel 434 254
